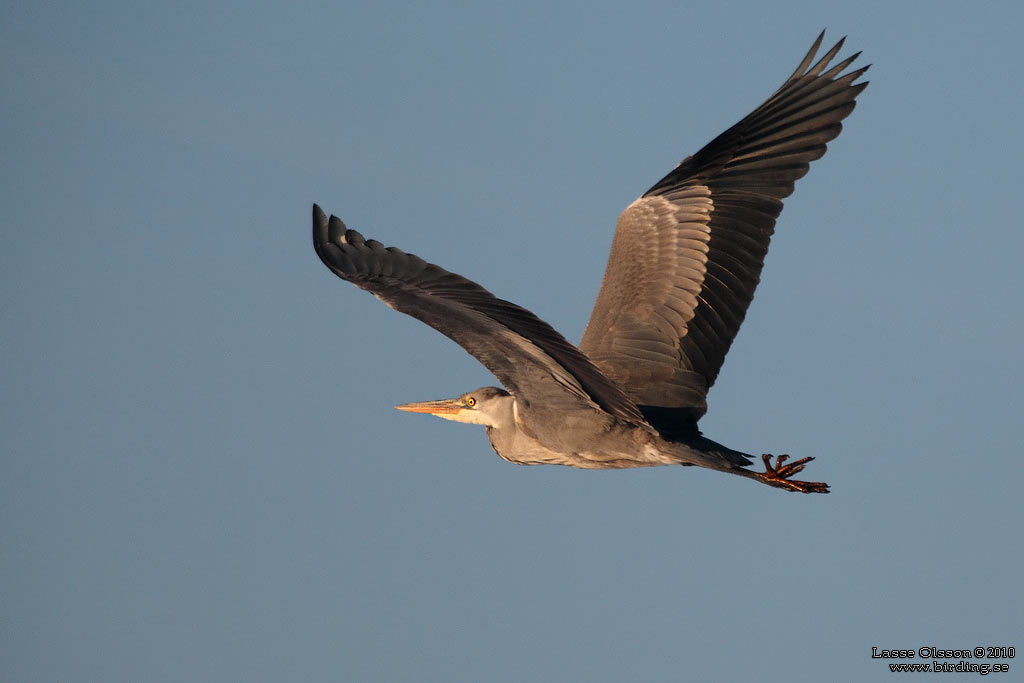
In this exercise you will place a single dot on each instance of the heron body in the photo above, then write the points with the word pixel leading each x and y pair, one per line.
pixel 566 437
pixel 684 263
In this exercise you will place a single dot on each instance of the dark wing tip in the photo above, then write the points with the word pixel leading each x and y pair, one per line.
pixel 333 243
pixel 331 229
pixel 808 58
pixel 319 227
pixel 350 236
pixel 335 228
pixel 805 67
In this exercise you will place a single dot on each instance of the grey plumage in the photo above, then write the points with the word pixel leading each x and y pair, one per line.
pixel 684 264
pixel 687 255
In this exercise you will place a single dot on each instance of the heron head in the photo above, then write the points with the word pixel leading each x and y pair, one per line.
pixel 485 406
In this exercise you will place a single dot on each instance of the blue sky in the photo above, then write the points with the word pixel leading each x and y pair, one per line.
pixel 202 474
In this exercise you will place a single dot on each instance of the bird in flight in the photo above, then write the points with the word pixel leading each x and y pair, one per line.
pixel 684 263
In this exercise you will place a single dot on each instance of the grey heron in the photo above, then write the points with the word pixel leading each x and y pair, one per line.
pixel 685 260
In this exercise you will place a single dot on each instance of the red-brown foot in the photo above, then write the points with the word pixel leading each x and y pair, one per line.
pixel 779 475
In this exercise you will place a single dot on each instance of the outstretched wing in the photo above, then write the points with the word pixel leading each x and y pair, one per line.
pixel 530 358
pixel 687 255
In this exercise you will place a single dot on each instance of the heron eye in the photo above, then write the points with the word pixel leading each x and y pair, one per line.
pixel 470 401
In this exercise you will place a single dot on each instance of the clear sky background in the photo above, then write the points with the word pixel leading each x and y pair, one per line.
pixel 202 476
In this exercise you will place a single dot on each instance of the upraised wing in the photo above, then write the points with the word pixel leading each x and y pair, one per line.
pixel 530 358
pixel 687 255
